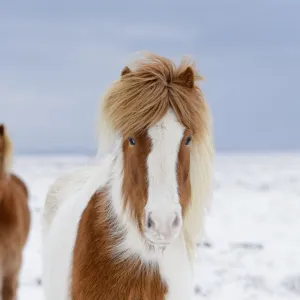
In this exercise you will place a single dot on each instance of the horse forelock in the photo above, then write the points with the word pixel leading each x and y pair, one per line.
pixel 143 96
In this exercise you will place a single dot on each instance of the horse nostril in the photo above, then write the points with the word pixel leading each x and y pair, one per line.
pixel 163 224
pixel 176 222
pixel 150 222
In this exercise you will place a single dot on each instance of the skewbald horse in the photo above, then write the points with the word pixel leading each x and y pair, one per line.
pixel 127 227
pixel 14 221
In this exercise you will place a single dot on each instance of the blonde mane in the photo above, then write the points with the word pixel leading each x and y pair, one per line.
pixel 8 150
pixel 141 98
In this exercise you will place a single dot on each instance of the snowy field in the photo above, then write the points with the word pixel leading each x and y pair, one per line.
pixel 252 249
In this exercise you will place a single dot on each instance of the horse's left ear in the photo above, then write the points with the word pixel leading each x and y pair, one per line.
pixel 2 130
pixel 187 77
pixel 125 71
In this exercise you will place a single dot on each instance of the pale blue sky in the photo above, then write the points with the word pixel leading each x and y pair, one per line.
pixel 57 59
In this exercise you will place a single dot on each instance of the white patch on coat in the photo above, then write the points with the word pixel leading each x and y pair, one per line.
pixel 177 271
pixel 163 197
pixel 60 237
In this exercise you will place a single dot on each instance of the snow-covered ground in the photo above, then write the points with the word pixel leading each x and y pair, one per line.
pixel 252 249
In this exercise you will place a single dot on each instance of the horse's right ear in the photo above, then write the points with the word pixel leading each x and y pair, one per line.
pixel 2 130
pixel 125 71
pixel 187 77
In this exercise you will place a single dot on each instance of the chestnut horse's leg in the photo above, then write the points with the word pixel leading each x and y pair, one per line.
pixel 9 287
pixel 1 281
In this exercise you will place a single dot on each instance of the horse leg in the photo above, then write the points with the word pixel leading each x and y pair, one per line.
pixel 1 283
pixel 9 287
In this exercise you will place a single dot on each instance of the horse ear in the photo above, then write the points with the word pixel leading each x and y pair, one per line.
pixel 2 130
pixel 187 77
pixel 125 71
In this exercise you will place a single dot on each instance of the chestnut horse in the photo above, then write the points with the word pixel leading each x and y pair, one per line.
pixel 14 221
pixel 127 227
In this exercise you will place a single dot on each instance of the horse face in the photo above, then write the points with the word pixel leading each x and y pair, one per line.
pixel 156 179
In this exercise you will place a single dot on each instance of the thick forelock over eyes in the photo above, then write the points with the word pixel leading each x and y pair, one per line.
pixel 145 92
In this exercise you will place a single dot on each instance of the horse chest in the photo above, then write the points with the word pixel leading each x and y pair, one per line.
pixel 79 254
pixel 131 280
pixel 176 270
pixel 96 273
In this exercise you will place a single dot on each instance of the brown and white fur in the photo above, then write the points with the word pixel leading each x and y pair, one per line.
pixel 127 227
pixel 14 221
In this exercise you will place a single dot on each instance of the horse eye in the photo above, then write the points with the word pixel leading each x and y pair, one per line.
pixel 131 141
pixel 188 140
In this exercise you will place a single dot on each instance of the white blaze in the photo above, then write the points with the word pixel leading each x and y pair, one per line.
pixel 166 135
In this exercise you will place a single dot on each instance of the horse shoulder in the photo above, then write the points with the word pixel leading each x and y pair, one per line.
pixel 14 201
pixel 18 181
pixel 66 200
pixel 63 186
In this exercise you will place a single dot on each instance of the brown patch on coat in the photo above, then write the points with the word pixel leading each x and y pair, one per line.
pixel 135 185
pixel 183 172
pixel 20 183
pixel 14 225
pixel 99 274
